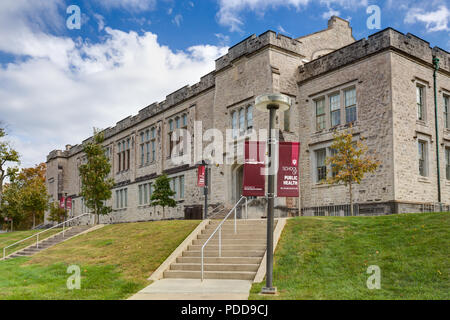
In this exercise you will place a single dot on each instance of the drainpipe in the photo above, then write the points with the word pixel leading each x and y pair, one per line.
pixel 436 68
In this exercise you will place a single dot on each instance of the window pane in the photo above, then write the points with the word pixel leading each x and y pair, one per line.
pixel 320 107
pixel 250 117
pixel 350 114
pixel 419 97
pixel 126 198
pixel 170 125
pixel 335 118
pixel 234 123
pixel 335 103
pixel 184 120
pixel 422 158
pixel 447 158
pixel 117 199
pixel 241 121
pixel 447 112
pixel 145 193
pixel 177 120
pixel 350 97
pixel 140 196
pixel 182 187
pixel 320 164
pixel 175 187
pixel 147 146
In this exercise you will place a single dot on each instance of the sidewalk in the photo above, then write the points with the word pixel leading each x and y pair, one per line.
pixel 195 289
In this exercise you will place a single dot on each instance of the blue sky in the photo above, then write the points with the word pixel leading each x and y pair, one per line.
pixel 56 84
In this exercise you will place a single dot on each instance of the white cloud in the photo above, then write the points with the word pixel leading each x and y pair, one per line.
pixel 437 20
pixel 331 12
pixel 230 11
pixel 66 87
pixel 100 21
pixel 224 40
pixel 130 5
pixel 177 19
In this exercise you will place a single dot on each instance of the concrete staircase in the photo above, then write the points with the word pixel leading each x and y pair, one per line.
pixel 241 257
pixel 49 242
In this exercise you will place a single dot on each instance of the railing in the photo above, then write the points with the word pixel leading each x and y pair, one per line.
pixel 219 228
pixel 37 234
pixel 213 213
pixel 434 207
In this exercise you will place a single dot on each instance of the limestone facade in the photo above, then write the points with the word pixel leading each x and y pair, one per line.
pixel 378 74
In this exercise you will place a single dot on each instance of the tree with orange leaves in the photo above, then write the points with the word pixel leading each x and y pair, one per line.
pixel 349 162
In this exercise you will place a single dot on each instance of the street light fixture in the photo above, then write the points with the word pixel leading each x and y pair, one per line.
pixel 272 103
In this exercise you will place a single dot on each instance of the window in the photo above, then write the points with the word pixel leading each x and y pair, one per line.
pixel 333 152
pixel 420 105
pixel 447 111
pixel 249 118
pixel 350 105
pixel 142 148
pixel 447 162
pixel 145 194
pixel 177 185
pixel 234 123
pixel 184 120
pixel 320 114
pixel 119 156
pixel 121 198
pixel 321 168
pixel 241 121
pixel 335 110
pixel 423 158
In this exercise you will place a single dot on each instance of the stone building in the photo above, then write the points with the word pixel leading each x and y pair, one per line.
pixel 382 85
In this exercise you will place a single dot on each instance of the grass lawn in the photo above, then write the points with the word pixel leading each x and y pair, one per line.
pixel 115 262
pixel 327 257
pixel 9 238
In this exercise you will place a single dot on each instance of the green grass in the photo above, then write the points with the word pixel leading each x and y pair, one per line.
pixel 115 262
pixel 327 257
pixel 9 238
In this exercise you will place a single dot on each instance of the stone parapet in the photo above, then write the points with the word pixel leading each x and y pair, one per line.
pixel 380 41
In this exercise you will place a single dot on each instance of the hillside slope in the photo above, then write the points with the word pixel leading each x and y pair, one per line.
pixel 328 257
pixel 115 262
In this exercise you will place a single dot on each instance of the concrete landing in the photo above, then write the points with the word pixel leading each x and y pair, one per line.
pixel 194 289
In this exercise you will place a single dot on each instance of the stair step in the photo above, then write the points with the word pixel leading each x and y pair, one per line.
pixel 227 253
pixel 214 267
pixel 233 236
pixel 225 260
pixel 226 247
pixel 231 241
pixel 210 275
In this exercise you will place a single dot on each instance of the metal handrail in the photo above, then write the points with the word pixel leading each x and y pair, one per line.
pixel 221 206
pixel 219 228
pixel 37 234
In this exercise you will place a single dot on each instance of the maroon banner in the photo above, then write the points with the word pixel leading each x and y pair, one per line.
pixel 288 176
pixel 69 203
pixel 62 202
pixel 254 178
pixel 201 176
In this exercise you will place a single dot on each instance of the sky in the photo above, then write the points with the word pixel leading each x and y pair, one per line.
pixel 58 83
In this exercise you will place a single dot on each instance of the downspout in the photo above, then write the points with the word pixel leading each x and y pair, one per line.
pixel 436 68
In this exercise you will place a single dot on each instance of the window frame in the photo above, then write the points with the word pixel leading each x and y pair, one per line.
pixel 423 167
pixel 338 110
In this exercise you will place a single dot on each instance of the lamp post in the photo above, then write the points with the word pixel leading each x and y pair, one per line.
pixel 271 103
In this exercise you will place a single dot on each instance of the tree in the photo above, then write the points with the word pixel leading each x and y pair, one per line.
pixel 25 196
pixel 162 194
pixel 7 155
pixel 349 162
pixel 57 214
pixel 34 192
pixel 95 184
